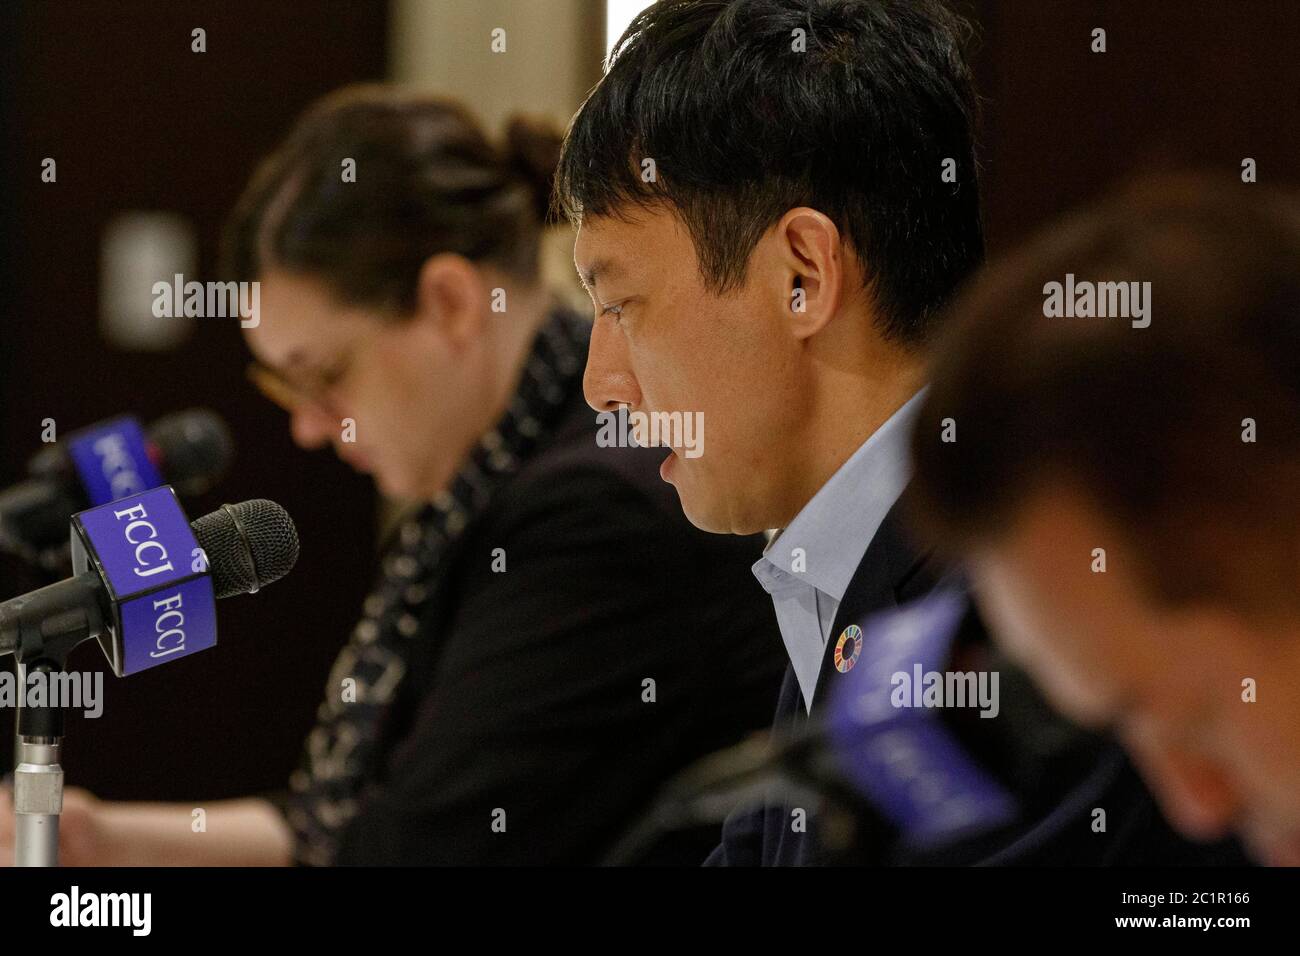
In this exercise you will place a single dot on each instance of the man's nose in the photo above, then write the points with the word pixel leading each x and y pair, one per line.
pixel 1197 795
pixel 311 427
pixel 608 381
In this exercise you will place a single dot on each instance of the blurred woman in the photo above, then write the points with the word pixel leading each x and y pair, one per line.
pixel 548 639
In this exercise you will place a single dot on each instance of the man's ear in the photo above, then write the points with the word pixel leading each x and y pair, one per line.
pixel 451 297
pixel 810 244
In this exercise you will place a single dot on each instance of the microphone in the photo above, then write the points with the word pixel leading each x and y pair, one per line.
pixel 909 732
pixel 939 772
pixel 144 583
pixel 145 579
pixel 190 450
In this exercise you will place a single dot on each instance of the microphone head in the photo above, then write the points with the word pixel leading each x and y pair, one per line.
pixel 248 545
pixel 195 448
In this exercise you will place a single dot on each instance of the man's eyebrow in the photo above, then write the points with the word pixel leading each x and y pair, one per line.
pixel 592 273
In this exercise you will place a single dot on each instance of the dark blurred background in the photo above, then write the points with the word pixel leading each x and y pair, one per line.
pixel 154 142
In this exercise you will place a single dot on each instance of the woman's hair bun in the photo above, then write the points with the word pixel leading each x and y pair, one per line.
pixel 533 151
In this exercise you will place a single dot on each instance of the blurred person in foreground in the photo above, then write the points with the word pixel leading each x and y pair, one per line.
pixel 1126 492
pixel 548 638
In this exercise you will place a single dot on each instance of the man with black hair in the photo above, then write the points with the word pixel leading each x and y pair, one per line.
pixel 775 199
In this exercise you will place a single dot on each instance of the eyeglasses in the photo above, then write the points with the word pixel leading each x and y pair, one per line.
pixel 292 396
pixel 319 388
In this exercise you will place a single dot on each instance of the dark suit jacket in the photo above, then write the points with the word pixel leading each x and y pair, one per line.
pixel 527 701
pixel 1059 773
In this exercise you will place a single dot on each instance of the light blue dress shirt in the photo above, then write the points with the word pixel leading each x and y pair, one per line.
pixel 807 566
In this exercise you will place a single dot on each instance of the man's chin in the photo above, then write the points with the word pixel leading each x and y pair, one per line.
pixel 700 510
pixel 715 514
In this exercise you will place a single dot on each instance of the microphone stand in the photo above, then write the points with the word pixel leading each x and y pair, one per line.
pixel 38 776
pixel 41 631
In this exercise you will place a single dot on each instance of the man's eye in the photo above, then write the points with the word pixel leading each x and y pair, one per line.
pixel 614 310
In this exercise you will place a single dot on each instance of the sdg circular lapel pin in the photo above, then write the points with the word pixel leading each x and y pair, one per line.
pixel 847 648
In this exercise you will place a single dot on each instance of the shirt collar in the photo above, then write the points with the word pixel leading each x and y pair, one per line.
pixel 834 528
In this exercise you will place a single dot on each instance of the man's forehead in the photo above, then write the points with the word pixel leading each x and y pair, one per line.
pixel 614 247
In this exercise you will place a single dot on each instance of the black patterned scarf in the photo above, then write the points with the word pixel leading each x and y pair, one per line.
pixel 341 751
